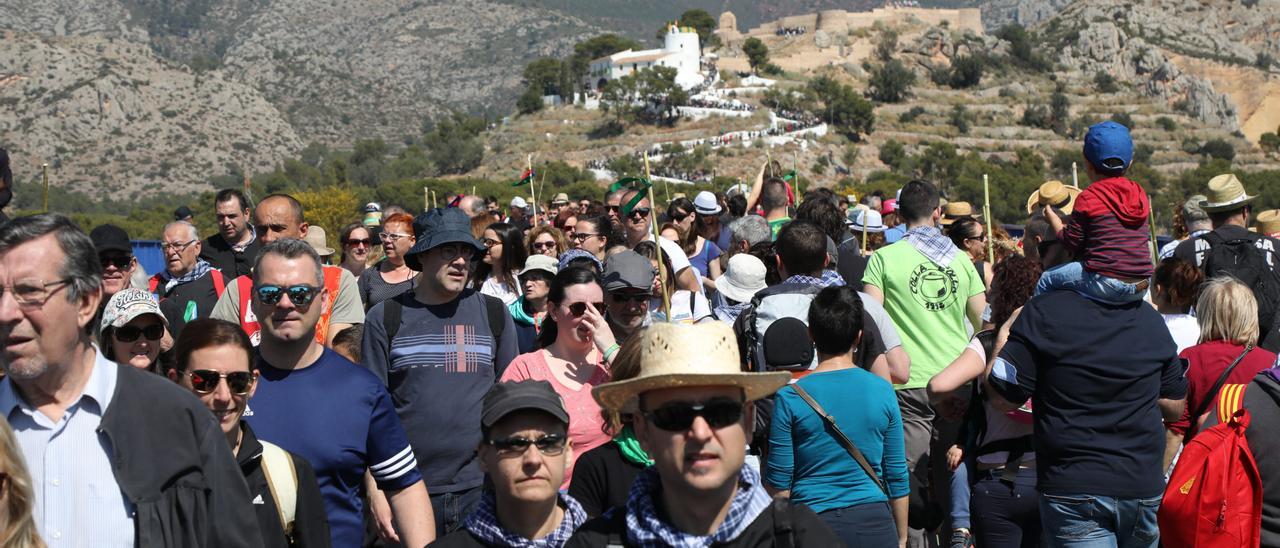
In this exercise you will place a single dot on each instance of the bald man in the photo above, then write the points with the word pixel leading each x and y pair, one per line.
pixel 281 216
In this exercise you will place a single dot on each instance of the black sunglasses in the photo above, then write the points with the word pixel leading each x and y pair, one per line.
pixel 632 297
pixel 364 242
pixel 639 213
pixel 679 416
pixel 120 262
pixel 578 309
pixel 129 333
pixel 550 445
pixel 612 209
pixel 204 381
pixel 299 295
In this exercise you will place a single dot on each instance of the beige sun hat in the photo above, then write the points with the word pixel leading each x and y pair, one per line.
pixel 677 356
pixel 1226 193
pixel 319 241
pixel 1269 222
pixel 953 211
pixel 1053 193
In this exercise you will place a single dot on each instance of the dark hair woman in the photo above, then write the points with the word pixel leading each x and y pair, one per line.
pixel 503 257
pixel 1176 288
pixel 971 237
pixel 356 241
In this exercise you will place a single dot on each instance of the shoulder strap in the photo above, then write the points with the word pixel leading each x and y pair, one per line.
pixel 391 312
pixel 282 480
pixel 153 285
pixel 784 530
pixel 494 308
pixel 1212 394
pixel 219 284
pixel 840 437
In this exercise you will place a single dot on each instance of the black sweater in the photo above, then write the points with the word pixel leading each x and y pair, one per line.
pixel 310 523
pixel 602 478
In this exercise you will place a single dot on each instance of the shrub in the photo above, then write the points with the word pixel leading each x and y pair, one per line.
pixel 1166 123
pixel 966 72
pixel 1105 82
pixel 1123 119
pixel 1218 148
pixel 891 82
pixel 911 115
pixel 960 119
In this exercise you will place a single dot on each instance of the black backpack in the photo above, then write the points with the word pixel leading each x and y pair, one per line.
pixel 1241 259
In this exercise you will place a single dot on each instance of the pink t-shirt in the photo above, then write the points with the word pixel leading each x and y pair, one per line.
pixel 586 426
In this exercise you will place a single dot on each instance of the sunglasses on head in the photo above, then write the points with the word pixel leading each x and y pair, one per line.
pixel 679 416
pixel 299 295
pixel 130 333
pixel 578 309
pixel 204 381
pixel 120 262
pixel 550 445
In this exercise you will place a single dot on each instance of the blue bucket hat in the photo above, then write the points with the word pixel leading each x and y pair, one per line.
pixel 438 227
pixel 1108 146
pixel 575 253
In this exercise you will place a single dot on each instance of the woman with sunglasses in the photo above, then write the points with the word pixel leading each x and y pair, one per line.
pixel 546 240
pixel 214 361
pixel 503 257
pixel 132 328
pixel 392 276
pixel 574 355
pixel 356 242
pixel 17 497
pixel 971 237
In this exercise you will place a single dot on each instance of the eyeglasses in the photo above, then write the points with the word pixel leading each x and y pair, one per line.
pixel 544 245
pixel 299 295
pixel 121 262
pixel 392 237
pixel 679 416
pixel 632 297
pixel 581 237
pixel 204 381
pixel 491 243
pixel 981 238
pixel 639 213
pixel 550 445
pixel 451 253
pixel 612 208
pixel 364 242
pixel 32 292
pixel 176 246
pixel 128 333
pixel 578 309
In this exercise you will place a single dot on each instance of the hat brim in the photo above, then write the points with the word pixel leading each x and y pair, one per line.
pixel 1214 207
pixel 527 270
pixel 704 212
pixel 624 395
pixel 437 240
pixel 734 291
pixel 1034 199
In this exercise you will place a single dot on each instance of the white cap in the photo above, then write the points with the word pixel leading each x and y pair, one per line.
pixel 705 204
pixel 128 304
pixel 743 278
pixel 519 202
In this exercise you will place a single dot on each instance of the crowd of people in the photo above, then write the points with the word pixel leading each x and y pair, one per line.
pixel 788 32
pixel 708 102
pixel 752 368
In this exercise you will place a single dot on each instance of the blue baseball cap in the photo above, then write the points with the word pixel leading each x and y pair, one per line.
pixel 1108 146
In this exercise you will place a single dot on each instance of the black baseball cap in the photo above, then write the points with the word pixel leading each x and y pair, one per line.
pixel 506 398
pixel 181 213
pixel 110 238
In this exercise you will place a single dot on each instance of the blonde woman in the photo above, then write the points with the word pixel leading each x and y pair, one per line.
pixel 1228 315
pixel 17 528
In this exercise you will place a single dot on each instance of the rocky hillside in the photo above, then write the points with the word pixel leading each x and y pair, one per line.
pixel 113 119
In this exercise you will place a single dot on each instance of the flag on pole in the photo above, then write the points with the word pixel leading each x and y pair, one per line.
pixel 526 178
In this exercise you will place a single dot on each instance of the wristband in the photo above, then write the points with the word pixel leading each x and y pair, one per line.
pixel 610 352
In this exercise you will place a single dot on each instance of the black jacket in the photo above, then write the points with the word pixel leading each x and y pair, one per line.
pixel 200 295
pixel 217 252
pixel 310 523
pixel 173 463
pixel 783 524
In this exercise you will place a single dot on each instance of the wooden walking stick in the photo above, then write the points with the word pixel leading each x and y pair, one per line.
pixel 986 206
pixel 657 244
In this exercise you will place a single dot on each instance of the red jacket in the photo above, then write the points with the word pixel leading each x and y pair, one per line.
pixel 1108 229
pixel 1206 362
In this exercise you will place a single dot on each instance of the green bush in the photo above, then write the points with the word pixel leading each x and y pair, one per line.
pixel 891 82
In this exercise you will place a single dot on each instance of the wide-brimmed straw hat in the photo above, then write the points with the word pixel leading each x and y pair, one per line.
pixel 1269 222
pixel 954 211
pixel 1053 193
pixel 1226 193
pixel 678 356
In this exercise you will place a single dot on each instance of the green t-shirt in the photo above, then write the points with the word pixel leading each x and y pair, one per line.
pixel 777 225
pixel 927 303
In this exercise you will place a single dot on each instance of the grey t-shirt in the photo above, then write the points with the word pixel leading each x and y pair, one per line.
pixel 442 361
pixel 888 333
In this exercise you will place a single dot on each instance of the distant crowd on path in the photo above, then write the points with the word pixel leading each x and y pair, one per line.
pixel 788 32
pixel 753 368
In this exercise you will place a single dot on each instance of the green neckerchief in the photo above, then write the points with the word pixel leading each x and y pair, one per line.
pixel 630 447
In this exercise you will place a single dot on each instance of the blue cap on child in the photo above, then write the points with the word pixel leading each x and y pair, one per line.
pixel 1108 146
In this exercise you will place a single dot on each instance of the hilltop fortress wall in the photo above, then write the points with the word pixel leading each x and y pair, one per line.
pixel 841 21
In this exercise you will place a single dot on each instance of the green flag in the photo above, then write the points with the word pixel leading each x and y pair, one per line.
pixel 525 179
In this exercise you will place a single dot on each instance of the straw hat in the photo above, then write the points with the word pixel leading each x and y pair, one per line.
pixel 677 356
pixel 953 211
pixel 1053 193
pixel 1269 222
pixel 319 241
pixel 1226 193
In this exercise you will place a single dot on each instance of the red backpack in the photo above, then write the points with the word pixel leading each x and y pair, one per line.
pixel 1214 496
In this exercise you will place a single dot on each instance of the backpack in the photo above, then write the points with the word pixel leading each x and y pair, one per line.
pixel 1241 259
pixel 1214 496
pixel 282 481
pixel 784 309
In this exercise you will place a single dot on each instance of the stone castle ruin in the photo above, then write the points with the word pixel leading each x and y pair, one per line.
pixel 841 21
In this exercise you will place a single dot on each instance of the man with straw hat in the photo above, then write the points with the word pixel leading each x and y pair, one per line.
pixel 1227 250
pixel 1269 222
pixel 955 211
pixel 1053 193
pixel 692 413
